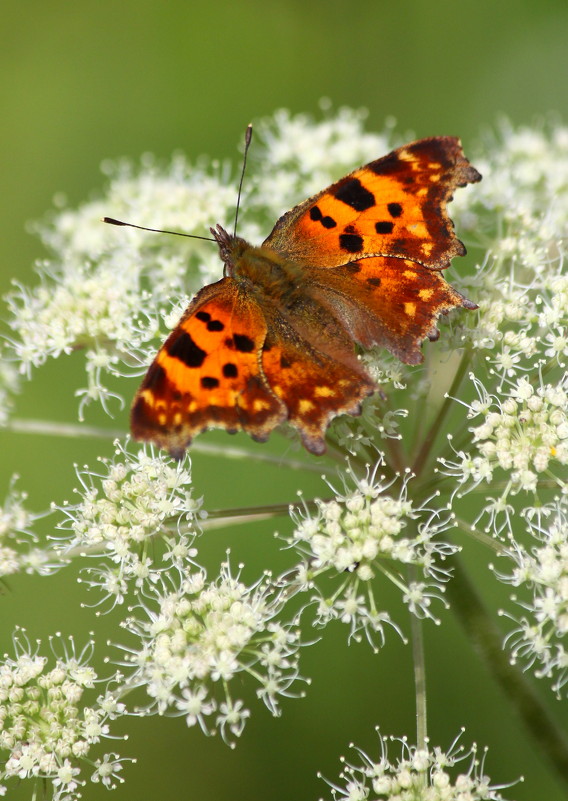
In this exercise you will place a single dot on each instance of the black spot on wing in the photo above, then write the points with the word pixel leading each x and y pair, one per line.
pixel 208 382
pixel 388 165
pixel 230 370
pixel 155 379
pixel 243 343
pixel 353 193
pixel 374 281
pixel 186 350
pixel 384 227
pixel 317 216
pixel 395 209
pixel 211 325
pixel 352 243
pixel 215 325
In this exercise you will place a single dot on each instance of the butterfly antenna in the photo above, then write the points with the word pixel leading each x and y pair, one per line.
pixel 112 221
pixel 248 137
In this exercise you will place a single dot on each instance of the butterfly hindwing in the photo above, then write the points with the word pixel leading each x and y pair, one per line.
pixel 316 378
pixel 387 302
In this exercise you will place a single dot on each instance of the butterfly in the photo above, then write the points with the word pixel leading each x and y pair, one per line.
pixel 274 340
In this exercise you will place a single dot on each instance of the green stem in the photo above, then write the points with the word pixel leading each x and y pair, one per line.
pixel 268 510
pixel 488 642
pixel 77 430
pixel 473 532
pixel 419 667
pixel 430 437
pixel 54 429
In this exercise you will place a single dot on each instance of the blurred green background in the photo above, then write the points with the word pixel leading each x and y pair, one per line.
pixel 80 82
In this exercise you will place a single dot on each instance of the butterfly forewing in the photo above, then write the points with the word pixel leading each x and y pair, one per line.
pixel 208 374
pixel 394 206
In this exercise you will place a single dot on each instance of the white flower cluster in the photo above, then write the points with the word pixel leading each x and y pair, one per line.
pixel 14 526
pixel 196 638
pixel 519 214
pixel 139 499
pixel 85 307
pixel 524 433
pixel 420 774
pixel 540 639
pixel 525 189
pixel 46 731
pixel 368 532
pixel 103 288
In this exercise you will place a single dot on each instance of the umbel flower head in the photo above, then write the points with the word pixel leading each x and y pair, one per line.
pixel 142 499
pixel 540 572
pixel 419 774
pixel 197 636
pixel 523 433
pixel 47 731
pixel 365 532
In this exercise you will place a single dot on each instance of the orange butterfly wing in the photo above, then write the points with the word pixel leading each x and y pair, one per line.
pixel 310 364
pixel 387 302
pixel 208 374
pixel 394 206
pixel 373 244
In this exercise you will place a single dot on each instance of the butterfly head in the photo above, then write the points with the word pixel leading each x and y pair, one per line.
pixel 231 248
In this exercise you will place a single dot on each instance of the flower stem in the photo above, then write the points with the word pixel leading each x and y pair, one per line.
pixel 488 642
pixel 260 512
pixel 419 667
pixel 219 518
pixel 430 437
pixel 51 428
pixel 472 531
pixel 77 430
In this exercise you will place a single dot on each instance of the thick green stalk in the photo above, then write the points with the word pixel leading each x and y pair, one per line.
pixel 426 446
pixel 488 642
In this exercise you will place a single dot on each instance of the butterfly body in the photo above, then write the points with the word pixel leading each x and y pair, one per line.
pixel 259 271
pixel 273 340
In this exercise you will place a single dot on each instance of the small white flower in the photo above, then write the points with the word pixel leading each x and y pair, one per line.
pixel 107 770
pixel 232 717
